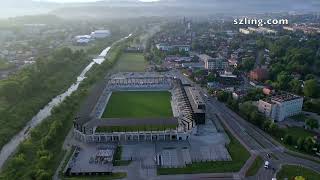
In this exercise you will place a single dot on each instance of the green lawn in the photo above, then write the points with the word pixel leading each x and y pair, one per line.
pixel 139 104
pixel 291 171
pixel 254 168
pixel 131 62
pixel 296 132
pixel 238 153
pixel 299 117
pixel 5 65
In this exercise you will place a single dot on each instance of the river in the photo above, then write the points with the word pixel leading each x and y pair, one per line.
pixel 45 112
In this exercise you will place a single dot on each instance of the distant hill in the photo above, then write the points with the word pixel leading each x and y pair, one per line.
pixel 10 8
pixel 136 8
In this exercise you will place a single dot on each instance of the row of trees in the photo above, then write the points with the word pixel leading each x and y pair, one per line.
pixel 285 81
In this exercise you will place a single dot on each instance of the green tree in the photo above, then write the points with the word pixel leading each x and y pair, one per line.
pixel 246 109
pixel 309 77
pixel 223 96
pixel 211 77
pixel 300 143
pixel 248 64
pixel 283 80
pixel 273 128
pixel 266 124
pixel 42 174
pixel 311 88
pixel 295 86
pixel 308 144
pixel 288 139
pixel 312 123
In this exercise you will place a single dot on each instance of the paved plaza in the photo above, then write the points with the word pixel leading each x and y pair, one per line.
pixel 85 159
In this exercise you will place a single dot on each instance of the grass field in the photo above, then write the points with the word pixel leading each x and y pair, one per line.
pixel 254 168
pixel 296 132
pixel 238 153
pixel 5 65
pixel 139 104
pixel 131 62
pixel 291 171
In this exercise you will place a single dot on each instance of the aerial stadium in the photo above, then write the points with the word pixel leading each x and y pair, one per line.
pixel 140 107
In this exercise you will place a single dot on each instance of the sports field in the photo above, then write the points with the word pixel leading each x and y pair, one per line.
pixel 139 104
pixel 131 62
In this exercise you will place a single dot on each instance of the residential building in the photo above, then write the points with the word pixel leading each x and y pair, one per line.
pixel 244 31
pixel 239 94
pixel 268 90
pixel 163 47
pixel 259 74
pixel 167 47
pixel 233 62
pixel 227 74
pixel 213 63
pixel 280 106
pixel 262 30
pixel 193 65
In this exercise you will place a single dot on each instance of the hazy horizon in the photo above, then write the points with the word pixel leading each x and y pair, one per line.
pixel 79 1
pixel 132 8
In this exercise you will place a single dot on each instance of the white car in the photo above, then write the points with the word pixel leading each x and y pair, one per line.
pixel 266 164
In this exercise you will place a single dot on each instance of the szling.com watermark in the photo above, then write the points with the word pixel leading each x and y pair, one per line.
pixel 260 22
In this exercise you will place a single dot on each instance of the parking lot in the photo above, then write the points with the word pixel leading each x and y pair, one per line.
pixel 92 159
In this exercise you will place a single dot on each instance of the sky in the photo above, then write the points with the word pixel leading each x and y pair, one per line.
pixel 70 1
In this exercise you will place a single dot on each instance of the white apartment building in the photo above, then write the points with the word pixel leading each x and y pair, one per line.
pixel 216 63
pixel 244 31
pixel 280 106
pixel 213 63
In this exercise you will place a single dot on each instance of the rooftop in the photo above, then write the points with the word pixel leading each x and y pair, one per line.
pixel 195 99
pixel 282 97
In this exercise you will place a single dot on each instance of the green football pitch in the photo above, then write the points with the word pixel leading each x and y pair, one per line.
pixel 131 62
pixel 139 104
